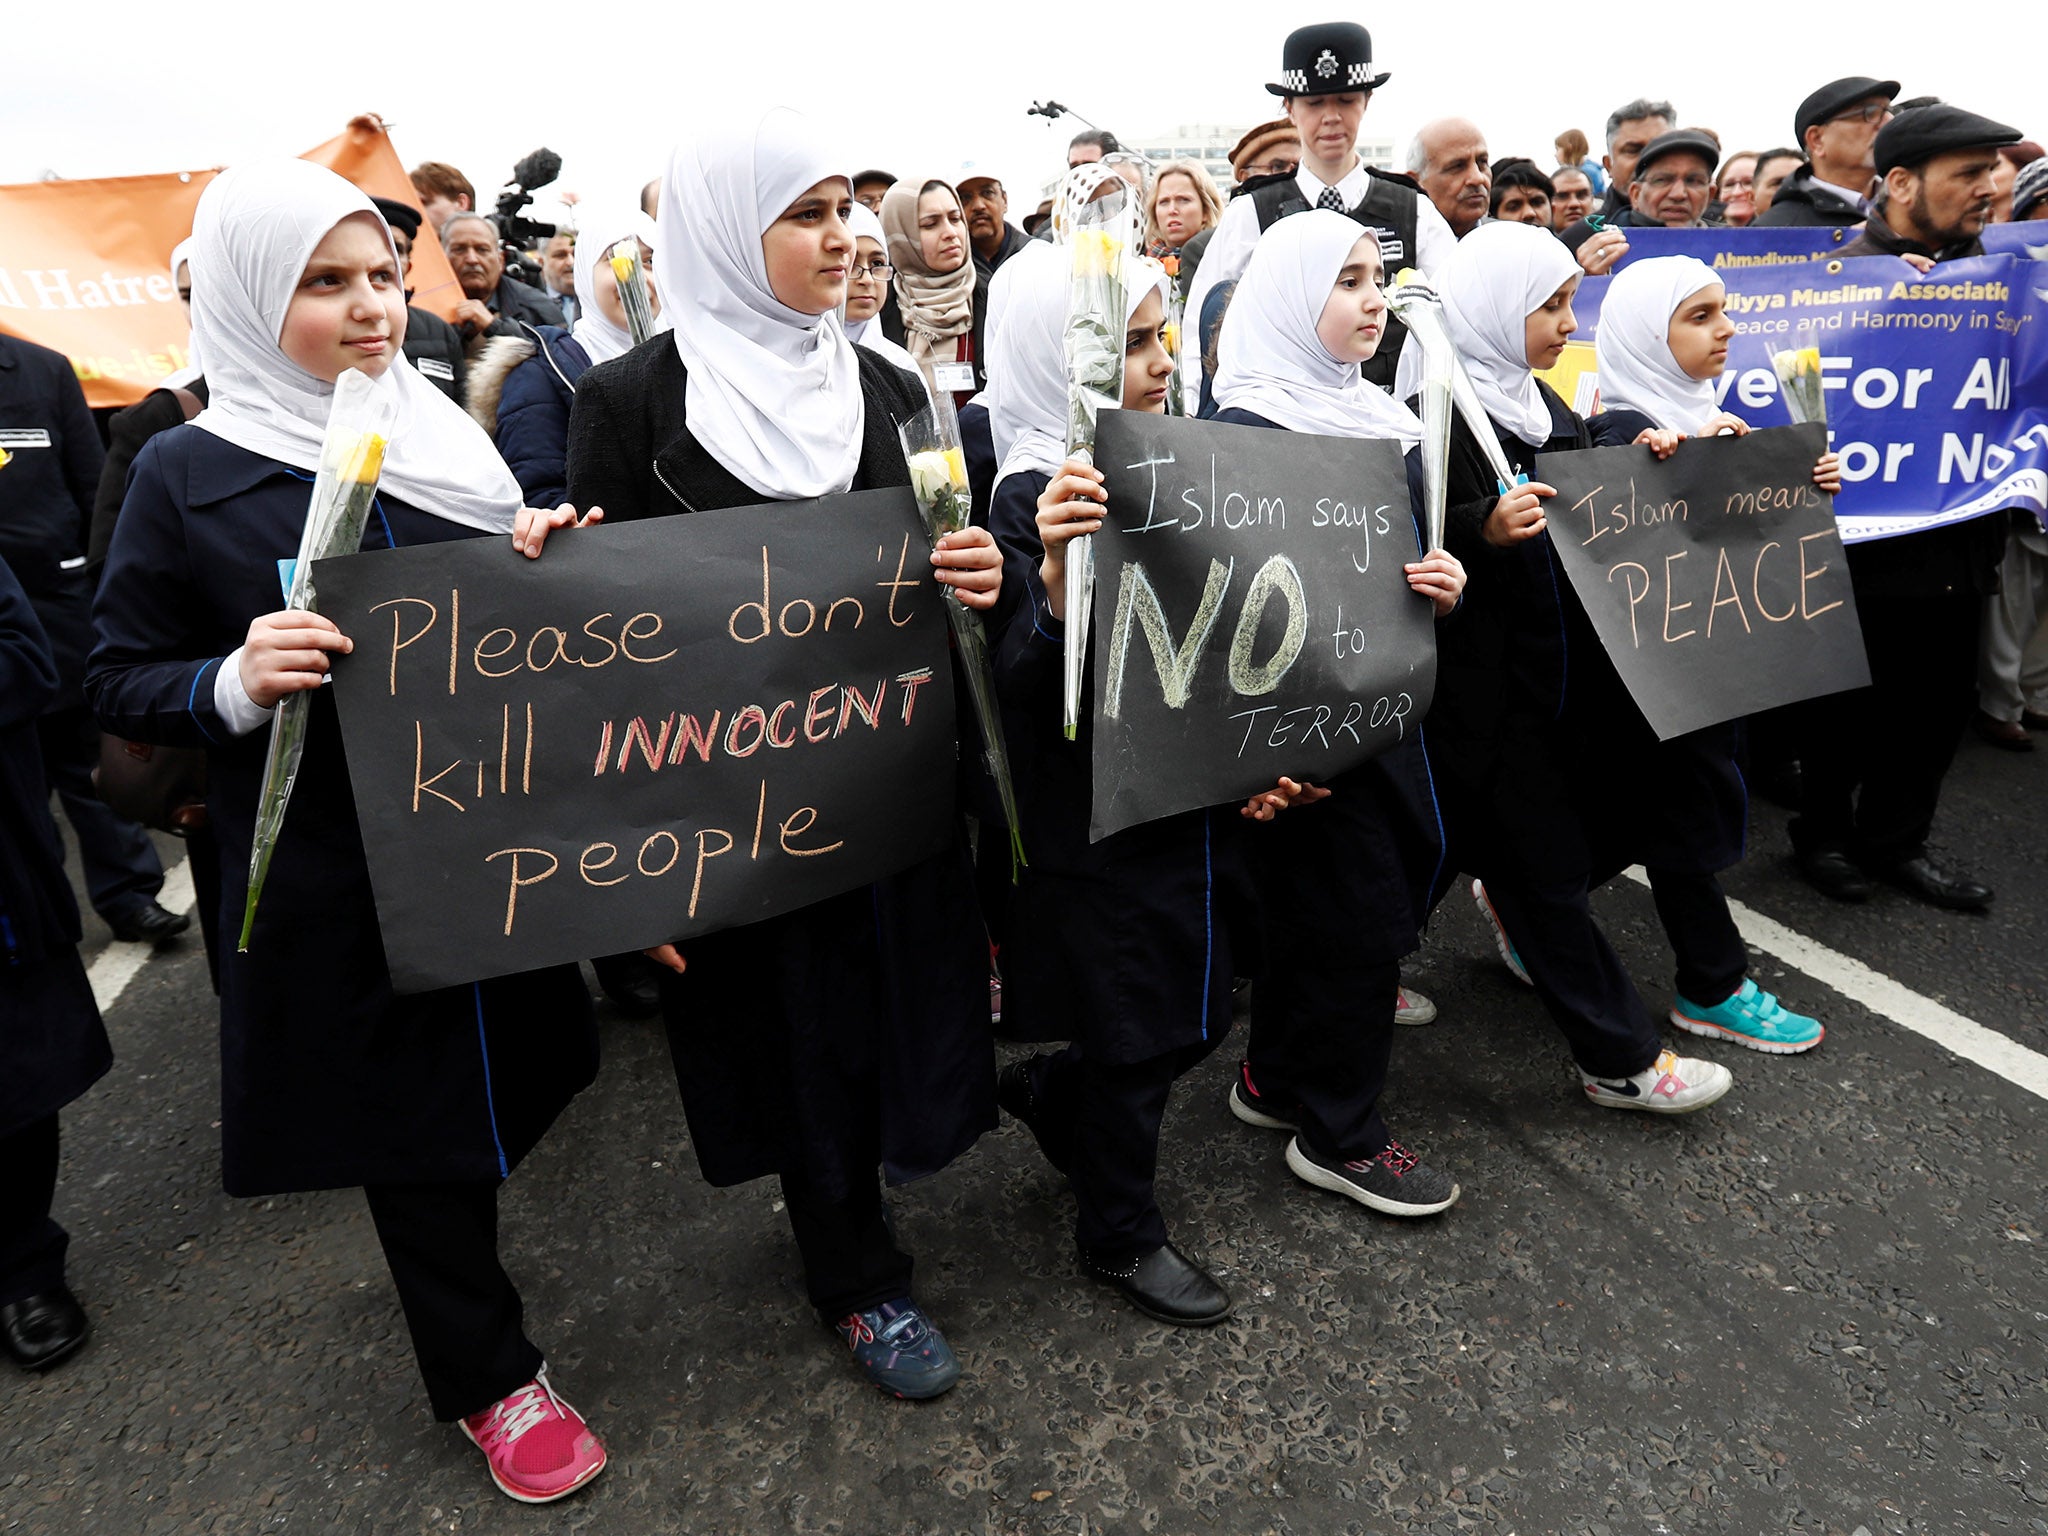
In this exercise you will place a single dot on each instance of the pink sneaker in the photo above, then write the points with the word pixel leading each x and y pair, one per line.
pixel 538 1447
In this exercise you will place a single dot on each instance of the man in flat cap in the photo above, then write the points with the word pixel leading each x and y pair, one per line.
pixel 1836 127
pixel 1670 184
pixel 1327 79
pixel 1872 760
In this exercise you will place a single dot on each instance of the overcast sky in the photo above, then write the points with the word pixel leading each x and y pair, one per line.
pixel 119 88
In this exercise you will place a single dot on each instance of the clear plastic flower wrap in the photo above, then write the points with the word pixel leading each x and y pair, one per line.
pixel 938 480
pixel 1100 236
pixel 632 280
pixel 1419 307
pixel 351 457
pixel 1407 298
pixel 1799 377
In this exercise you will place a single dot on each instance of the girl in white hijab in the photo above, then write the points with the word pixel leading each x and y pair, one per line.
pixel 601 330
pixel 1507 767
pixel 329 1079
pixel 815 1044
pixel 1117 946
pixel 1663 339
pixel 1355 875
pixel 866 291
pixel 1662 342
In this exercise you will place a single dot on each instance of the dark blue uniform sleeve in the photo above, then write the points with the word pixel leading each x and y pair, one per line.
pixel 1029 643
pixel 28 671
pixel 533 433
pixel 1618 428
pixel 151 677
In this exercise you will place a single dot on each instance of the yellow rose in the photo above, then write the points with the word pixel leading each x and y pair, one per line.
pixel 364 462
pixel 956 465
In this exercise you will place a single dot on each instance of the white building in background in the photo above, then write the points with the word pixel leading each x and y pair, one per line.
pixel 1210 144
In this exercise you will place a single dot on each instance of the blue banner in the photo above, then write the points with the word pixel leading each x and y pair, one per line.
pixel 1936 384
pixel 1736 249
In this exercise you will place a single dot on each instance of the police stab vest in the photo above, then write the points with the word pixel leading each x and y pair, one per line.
pixel 1388 210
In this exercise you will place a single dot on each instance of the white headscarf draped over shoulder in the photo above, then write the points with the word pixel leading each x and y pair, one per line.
pixel 1269 358
pixel 774 394
pixel 1496 278
pixel 256 227
pixel 1637 370
pixel 1026 339
pixel 600 340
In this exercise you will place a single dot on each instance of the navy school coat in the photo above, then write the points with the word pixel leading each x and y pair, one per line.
pixel 1127 946
pixel 52 1044
pixel 1359 870
pixel 328 1078
pixel 851 1031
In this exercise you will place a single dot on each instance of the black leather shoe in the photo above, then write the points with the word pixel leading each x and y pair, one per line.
pixel 1938 887
pixel 149 924
pixel 1167 1285
pixel 42 1329
pixel 1833 873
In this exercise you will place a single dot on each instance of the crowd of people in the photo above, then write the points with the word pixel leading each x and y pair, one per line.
pixel 803 310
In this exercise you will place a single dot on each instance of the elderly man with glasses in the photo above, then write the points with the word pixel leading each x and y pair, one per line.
pixel 1837 127
pixel 1669 188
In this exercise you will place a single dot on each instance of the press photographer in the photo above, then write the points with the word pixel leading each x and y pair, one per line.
pixel 486 251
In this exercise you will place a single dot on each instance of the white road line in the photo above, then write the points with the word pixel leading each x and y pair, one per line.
pixel 117 964
pixel 1889 999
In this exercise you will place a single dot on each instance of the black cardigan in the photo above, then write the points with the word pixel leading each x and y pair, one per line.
pixel 631 451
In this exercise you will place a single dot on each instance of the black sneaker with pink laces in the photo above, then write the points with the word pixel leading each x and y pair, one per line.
pixel 1394 1181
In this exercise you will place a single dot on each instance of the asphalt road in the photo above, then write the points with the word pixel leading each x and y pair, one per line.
pixel 1821 1306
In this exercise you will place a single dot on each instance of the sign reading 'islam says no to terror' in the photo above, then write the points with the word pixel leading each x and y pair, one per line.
pixel 656 730
pixel 1715 578
pixel 1252 617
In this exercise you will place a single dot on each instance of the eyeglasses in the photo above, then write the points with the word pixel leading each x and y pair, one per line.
pixel 1272 168
pixel 1664 182
pixel 880 271
pixel 1869 112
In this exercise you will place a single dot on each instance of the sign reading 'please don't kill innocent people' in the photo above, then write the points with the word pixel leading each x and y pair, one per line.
pixel 1715 578
pixel 1252 616
pixel 654 731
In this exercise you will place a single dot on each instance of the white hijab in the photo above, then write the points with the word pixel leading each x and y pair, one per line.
pixel 600 340
pixel 1491 283
pixel 1270 360
pixel 256 227
pixel 868 333
pixel 185 377
pixel 774 394
pixel 1025 337
pixel 1637 370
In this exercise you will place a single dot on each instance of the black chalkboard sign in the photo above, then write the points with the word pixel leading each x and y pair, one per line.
pixel 1251 616
pixel 655 730
pixel 1714 578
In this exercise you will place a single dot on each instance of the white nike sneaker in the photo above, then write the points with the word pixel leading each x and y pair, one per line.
pixel 1411 1007
pixel 1672 1085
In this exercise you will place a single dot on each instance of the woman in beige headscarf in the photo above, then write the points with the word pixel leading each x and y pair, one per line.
pixel 936 308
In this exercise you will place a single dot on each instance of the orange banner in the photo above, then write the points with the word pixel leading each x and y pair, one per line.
pixel 85 265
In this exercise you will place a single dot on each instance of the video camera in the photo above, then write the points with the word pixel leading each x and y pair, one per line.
pixel 516 233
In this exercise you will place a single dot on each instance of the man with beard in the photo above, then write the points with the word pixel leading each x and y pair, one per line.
pixel 1836 126
pixel 1872 759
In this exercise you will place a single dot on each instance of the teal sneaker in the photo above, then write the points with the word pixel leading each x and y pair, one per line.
pixel 896 1347
pixel 1752 1017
